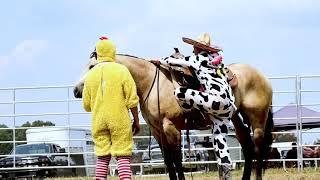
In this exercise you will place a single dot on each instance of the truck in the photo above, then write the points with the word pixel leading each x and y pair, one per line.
pixel 30 158
pixel 77 141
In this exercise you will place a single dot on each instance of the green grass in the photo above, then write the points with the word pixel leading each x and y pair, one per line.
pixel 271 174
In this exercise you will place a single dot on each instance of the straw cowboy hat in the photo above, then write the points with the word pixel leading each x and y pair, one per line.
pixel 203 42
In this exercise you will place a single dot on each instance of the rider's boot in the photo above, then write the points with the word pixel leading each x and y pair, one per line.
pixel 225 172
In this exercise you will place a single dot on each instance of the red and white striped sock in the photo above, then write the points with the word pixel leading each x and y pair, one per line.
pixel 102 167
pixel 124 169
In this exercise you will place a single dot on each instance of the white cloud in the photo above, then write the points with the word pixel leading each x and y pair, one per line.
pixel 24 53
pixel 27 51
pixel 248 30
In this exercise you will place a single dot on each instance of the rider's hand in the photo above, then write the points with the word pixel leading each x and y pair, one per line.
pixel 135 128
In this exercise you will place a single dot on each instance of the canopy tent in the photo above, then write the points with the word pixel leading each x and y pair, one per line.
pixel 286 117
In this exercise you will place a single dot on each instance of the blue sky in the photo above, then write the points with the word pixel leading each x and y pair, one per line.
pixel 48 42
pixel 44 43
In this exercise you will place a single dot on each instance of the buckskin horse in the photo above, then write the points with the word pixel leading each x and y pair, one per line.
pixel 166 119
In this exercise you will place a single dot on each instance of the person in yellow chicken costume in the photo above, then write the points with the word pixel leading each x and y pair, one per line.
pixel 109 92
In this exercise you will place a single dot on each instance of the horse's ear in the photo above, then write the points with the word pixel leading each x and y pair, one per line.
pixel 93 55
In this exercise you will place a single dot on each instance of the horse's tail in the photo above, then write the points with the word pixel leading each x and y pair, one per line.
pixel 268 139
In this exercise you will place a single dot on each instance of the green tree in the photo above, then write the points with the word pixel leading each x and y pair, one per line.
pixel 5 135
pixel 40 123
pixel 21 133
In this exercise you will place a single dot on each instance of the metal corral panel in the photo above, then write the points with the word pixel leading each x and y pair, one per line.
pixel 232 141
pixel 235 154
pixel 59 136
pixel 75 139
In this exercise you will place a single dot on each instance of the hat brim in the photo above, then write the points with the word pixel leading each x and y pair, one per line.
pixel 200 45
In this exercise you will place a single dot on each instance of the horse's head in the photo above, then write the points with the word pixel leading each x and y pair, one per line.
pixel 77 90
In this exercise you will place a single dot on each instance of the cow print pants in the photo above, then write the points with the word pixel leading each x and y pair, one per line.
pixel 220 110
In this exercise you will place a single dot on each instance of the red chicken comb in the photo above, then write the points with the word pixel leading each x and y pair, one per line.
pixel 103 38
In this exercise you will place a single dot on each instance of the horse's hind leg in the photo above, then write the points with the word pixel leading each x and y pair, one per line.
pixel 243 135
pixel 263 141
pixel 262 125
pixel 258 136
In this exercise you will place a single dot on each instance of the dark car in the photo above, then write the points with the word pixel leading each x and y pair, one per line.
pixel 29 163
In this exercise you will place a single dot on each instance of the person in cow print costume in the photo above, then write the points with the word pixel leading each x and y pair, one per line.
pixel 215 98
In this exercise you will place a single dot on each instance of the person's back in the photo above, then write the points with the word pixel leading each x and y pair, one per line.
pixel 108 85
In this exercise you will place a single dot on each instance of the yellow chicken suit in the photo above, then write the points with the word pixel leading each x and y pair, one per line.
pixel 109 92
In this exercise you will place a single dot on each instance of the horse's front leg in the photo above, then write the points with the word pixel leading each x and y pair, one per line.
pixel 172 153
pixel 173 161
pixel 168 160
pixel 167 156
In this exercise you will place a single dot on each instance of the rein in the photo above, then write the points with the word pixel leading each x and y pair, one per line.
pixel 152 84
pixel 156 77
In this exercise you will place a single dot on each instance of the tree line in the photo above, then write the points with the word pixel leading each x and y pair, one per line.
pixel 20 134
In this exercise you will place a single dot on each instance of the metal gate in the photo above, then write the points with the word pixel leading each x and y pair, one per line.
pixel 56 104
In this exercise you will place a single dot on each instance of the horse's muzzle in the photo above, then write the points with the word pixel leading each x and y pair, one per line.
pixel 77 91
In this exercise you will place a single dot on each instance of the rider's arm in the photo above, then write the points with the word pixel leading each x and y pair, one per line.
pixel 189 61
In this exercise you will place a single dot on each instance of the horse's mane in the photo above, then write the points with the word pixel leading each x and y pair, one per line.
pixel 94 54
pixel 128 55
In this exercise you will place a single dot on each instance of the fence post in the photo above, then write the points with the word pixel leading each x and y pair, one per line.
pixel 68 117
pixel 299 124
pixel 183 143
pixel 14 128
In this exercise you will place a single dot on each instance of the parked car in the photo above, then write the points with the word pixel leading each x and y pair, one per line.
pixel 27 158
